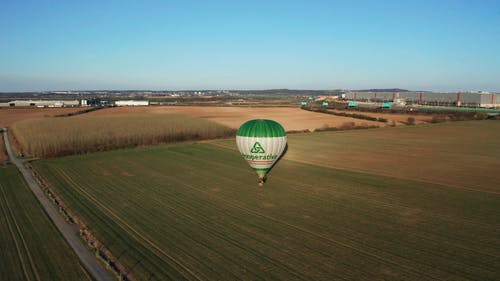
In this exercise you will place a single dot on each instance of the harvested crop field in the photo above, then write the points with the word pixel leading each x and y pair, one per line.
pixel 9 116
pixel 49 137
pixel 32 248
pixel 193 211
pixel 292 118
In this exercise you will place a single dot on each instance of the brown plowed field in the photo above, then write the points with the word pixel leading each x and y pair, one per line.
pixel 290 118
pixel 8 116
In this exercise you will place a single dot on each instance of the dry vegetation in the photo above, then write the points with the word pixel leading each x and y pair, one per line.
pixel 63 136
pixel 9 116
pixel 3 155
pixel 292 118
pixel 392 118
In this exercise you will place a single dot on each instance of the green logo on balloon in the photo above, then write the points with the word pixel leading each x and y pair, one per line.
pixel 257 148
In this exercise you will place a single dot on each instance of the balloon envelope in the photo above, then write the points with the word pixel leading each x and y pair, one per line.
pixel 261 143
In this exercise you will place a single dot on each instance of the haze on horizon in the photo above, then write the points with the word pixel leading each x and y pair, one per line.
pixel 167 45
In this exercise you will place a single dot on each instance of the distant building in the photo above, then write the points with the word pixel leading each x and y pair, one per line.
pixel 93 102
pixel 467 99
pixel 132 103
pixel 43 103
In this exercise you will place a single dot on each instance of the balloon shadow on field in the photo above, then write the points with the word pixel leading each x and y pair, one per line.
pixel 277 161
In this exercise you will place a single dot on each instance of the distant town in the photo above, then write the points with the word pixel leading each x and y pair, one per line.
pixel 275 97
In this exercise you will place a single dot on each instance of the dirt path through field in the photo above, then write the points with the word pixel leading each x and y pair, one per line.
pixel 291 118
pixel 69 232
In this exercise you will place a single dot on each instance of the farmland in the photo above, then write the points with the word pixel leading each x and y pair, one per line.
pixel 32 248
pixel 292 118
pixel 48 137
pixel 459 154
pixel 193 210
pixel 9 116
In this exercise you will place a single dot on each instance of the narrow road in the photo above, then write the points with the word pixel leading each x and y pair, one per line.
pixel 69 232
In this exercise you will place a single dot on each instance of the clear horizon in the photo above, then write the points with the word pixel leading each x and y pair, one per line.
pixel 315 45
pixel 264 89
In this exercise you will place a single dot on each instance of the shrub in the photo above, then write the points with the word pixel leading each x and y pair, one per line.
pixel 438 119
pixel 298 131
pixel 345 114
pixel 347 125
pixel 326 127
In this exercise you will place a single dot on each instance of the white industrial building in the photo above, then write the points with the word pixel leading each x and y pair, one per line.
pixel 132 103
pixel 41 103
pixel 467 99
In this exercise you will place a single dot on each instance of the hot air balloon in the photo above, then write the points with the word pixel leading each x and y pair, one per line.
pixel 261 143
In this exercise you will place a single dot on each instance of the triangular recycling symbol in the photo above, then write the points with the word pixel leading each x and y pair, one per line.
pixel 257 148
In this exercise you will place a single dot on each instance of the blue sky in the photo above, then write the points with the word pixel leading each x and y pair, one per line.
pixel 420 45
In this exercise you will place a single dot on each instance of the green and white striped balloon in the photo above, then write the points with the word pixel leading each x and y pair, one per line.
pixel 261 143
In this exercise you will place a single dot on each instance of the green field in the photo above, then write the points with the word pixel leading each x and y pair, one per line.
pixel 194 211
pixel 31 247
